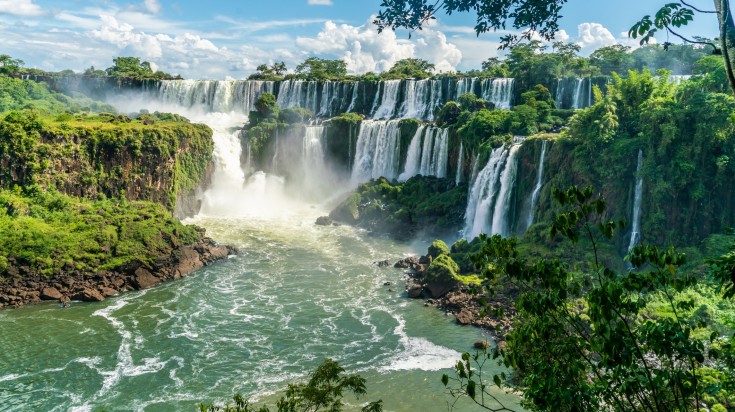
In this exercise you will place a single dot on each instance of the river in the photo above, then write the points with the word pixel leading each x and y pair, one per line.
pixel 297 294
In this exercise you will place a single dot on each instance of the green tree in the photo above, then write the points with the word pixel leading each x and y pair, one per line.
pixel 580 343
pixel 615 58
pixel 9 65
pixel 315 68
pixel 324 390
pixel 542 16
pixel 129 67
pixel 410 68
pixel 495 67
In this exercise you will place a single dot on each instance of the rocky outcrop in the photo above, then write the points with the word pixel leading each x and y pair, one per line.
pixel 324 221
pixel 459 300
pixel 15 292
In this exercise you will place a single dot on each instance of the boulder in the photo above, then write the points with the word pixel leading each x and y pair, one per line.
pixel 50 294
pixel 89 295
pixel 482 344
pixel 324 221
pixel 441 276
pixel 464 317
pixel 108 292
pixel 382 263
pixel 410 262
pixel 415 292
pixel 143 279
pixel 189 261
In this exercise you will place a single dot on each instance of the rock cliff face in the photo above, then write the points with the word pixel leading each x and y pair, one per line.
pixel 116 181
pixel 162 161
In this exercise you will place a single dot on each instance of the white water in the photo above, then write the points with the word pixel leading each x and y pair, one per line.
pixel 377 151
pixel 388 100
pixel 539 183
pixel 210 96
pixel 635 233
pixel 428 153
pixel 579 93
pixel 460 165
pixel 488 206
pixel 498 91
pixel 501 215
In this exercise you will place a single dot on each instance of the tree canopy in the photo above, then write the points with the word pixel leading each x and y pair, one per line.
pixel 541 17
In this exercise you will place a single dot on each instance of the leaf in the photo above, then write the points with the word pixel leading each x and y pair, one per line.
pixel 445 379
pixel 497 381
pixel 471 389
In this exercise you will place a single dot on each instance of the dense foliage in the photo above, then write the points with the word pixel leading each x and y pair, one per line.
pixel 46 233
pixel 422 203
pixel 155 157
pixel 600 339
pixel 16 94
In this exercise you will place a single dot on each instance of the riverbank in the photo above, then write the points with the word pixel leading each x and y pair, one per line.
pixel 21 288
pixel 468 304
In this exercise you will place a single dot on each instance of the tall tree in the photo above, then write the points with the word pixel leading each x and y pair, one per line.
pixel 542 16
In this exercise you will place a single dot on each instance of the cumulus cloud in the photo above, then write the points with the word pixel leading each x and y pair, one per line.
pixel 365 50
pixel 22 8
pixel 592 36
pixel 320 2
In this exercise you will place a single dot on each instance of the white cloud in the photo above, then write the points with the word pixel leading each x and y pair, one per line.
pixel 592 36
pixel 23 8
pixel 320 3
pixel 364 49
pixel 152 6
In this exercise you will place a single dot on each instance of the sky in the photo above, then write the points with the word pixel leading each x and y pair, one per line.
pixel 222 39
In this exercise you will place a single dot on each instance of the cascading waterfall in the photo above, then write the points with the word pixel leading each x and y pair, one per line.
pixel 579 93
pixel 635 233
pixel 460 165
pixel 498 91
pixel 413 157
pixel 539 183
pixel 377 153
pixel 488 207
pixel 502 213
pixel 213 95
pixel 388 100
pixel 428 153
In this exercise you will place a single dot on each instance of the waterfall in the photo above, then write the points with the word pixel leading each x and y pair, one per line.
pixel 579 93
pixel 427 158
pixel 312 150
pixel 388 100
pixel 274 160
pixel 213 95
pixel 498 91
pixel 460 164
pixel 413 157
pixel 488 206
pixel 377 151
pixel 559 98
pixel 353 101
pixel 635 233
pixel 418 99
pixel 502 214
pixel 537 188
pixel 441 152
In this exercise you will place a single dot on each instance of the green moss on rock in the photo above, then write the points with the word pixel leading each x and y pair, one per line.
pixel 438 248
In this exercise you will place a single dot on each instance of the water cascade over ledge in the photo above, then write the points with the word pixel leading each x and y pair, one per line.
pixel 488 207
pixel 635 232
pixel 537 187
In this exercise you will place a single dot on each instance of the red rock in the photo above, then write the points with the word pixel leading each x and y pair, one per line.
pixel 464 317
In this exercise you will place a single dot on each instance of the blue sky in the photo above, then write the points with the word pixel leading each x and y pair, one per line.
pixel 227 39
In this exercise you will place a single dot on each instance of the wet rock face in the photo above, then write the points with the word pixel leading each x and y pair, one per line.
pixel 324 221
pixel 17 291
